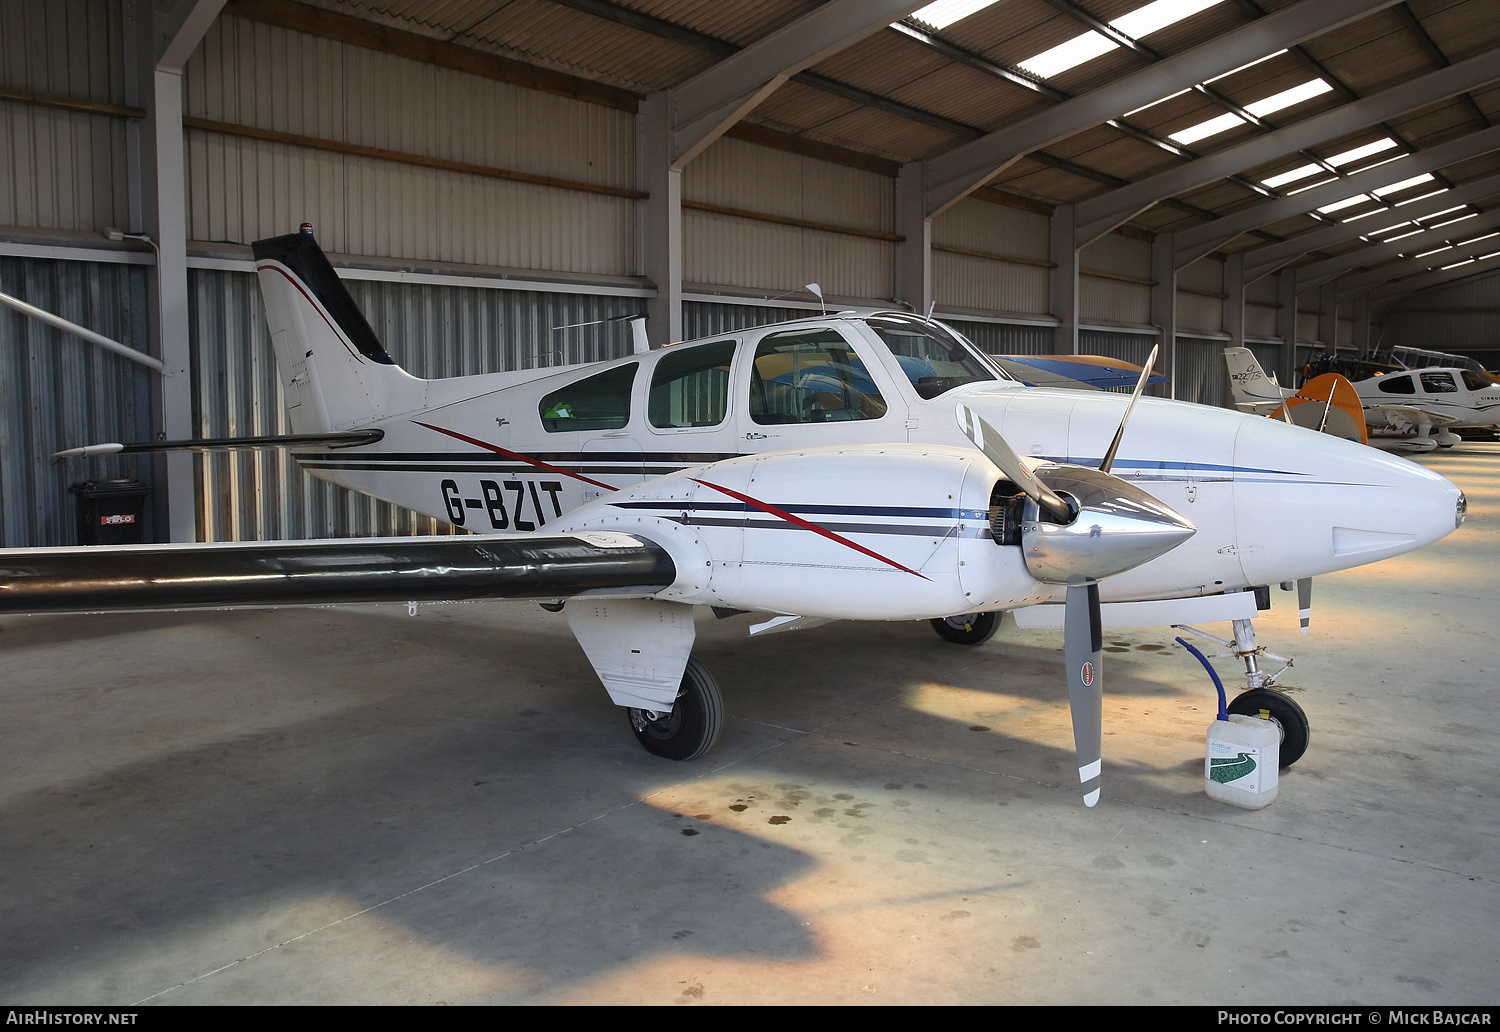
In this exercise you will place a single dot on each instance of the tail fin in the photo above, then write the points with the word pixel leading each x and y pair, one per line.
pixel 1252 389
pixel 335 371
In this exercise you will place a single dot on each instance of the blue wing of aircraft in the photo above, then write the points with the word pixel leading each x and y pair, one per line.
pixel 1047 368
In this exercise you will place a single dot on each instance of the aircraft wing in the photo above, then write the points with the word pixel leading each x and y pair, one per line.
pixel 1405 418
pixel 1095 372
pixel 236 575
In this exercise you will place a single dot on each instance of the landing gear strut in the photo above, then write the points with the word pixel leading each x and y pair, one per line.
pixel 1262 700
pixel 693 724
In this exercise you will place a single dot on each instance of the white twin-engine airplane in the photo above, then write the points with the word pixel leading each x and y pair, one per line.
pixel 1402 409
pixel 840 467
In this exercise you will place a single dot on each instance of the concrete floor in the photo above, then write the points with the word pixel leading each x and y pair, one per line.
pixel 356 806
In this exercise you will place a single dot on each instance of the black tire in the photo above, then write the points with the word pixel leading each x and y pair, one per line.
pixel 972 629
pixel 1282 711
pixel 693 726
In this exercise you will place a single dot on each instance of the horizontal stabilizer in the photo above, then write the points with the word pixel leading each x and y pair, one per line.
pixel 344 439
pixel 328 572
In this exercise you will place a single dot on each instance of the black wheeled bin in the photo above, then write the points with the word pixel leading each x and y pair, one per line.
pixel 111 512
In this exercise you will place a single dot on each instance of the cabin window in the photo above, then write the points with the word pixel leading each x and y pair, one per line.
pixel 811 376
pixel 1396 384
pixel 598 402
pixel 933 359
pixel 691 386
pixel 1478 381
pixel 1438 383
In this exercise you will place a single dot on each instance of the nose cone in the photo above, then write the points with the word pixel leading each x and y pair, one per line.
pixel 1307 503
pixel 1118 527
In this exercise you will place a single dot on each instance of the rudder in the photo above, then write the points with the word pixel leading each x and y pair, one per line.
pixel 335 372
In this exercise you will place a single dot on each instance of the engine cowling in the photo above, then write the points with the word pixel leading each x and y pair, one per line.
pixel 888 532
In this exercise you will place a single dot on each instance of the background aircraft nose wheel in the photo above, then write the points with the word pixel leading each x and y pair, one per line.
pixel 693 726
pixel 971 629
pixel 1282 711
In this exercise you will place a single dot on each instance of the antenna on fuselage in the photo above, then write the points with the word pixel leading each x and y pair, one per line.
pixel 812 288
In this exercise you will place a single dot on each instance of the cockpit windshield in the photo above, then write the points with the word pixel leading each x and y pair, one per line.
pixel 934 359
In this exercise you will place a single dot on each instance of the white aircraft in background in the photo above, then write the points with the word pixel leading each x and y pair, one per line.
pixel 1401 409
pixel 839 467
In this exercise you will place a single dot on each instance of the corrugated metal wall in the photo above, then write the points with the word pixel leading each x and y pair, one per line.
pixel 239 189
pixel 725 250
pixel 1006 338
pixel 1461 316
pixel 62 169
pixel 62 392
pixel 432 331
pixel 1202 375
pixel 987 284
pixel 706 319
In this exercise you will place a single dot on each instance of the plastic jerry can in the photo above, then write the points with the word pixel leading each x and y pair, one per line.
pixel 1242 760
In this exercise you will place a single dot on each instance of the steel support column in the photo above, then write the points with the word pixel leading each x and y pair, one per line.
pixel 1062 281
pixel 660 215
pixel 165 36
pixel 1164 305
pixel 913 254
pixel 1328 317
pixel 1234 299
pixel 1286 326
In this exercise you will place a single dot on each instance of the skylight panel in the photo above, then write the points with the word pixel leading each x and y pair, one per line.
pixel 1423 197
pixel 944 13
pixel 1203 130
pixel 1301 172
pixel 1425 177
pixel 1153 17
pixel 1475 240
pixel 1384 229
pixel 1365 151
pixel 1345 203
pixel 1242 67
pixel 1310 186
pixel 1445 211
pixel 1435 250
pixel 1403 236
pixel 1465 215
pixel 1153 104
pixel 1286 98
pixel 1138 23
pixel 1455 265
pixel 1068 55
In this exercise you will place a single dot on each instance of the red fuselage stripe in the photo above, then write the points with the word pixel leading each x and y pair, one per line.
pixel 538 463
pixel 804 524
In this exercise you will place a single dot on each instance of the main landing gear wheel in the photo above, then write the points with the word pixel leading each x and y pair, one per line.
pixel 1281 710
pixel 971 629
pixel 693 725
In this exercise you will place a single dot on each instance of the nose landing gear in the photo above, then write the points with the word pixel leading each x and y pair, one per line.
pixel 1262 700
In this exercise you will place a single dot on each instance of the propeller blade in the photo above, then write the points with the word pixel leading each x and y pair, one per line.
pixel 1082 644
pixel 1114 446
pixel 988 440
pixel 1304 602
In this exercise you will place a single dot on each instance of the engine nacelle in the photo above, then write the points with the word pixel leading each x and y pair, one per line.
pixel 887 532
